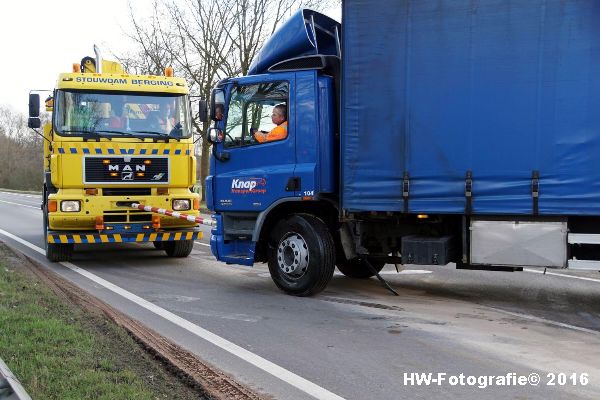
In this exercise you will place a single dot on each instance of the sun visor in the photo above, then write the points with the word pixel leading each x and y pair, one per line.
pixel 295 38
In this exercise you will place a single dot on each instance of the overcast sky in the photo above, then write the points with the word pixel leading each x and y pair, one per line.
pixel 40 39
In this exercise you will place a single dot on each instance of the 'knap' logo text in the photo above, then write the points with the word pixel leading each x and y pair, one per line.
pixel 249 185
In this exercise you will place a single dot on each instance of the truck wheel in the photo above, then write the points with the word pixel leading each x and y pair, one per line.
pixel 57 252
pixel 158 245
pixel 301 255
pixel 45 225
pixel 179 248
pixel 356 268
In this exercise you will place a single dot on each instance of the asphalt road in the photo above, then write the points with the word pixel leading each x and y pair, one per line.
pixel 355 340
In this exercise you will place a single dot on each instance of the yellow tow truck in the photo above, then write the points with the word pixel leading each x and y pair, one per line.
pixel 116 140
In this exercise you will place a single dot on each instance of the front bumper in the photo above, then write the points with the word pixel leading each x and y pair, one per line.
pixel 95 237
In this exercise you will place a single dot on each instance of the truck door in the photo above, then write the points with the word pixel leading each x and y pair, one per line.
pixel 249 174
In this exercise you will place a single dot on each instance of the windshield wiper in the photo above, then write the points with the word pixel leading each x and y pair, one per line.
pixel 152 133
pixel 162 135
pixel 114 132
pixel 85 134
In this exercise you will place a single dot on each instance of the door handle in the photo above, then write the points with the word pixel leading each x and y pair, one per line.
pixel 222 155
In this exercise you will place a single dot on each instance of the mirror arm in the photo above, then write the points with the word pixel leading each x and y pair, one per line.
pixel 42 136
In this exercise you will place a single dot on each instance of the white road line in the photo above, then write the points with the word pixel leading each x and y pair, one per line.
pixel 23 242
pixel 583 278
pixel 203 244
pixel 273 369
pixel 22 195
pixel 545 321
pixel 18 204
pixel 403 272
pixel 407 272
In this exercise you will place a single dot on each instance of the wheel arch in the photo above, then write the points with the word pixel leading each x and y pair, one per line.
pixel 323 209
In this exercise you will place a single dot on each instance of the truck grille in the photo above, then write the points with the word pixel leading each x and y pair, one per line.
pixel 126 170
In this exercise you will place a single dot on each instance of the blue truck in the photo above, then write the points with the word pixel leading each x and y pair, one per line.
pixel 418 132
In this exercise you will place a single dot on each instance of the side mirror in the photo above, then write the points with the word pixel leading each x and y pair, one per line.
pixel 217 105
pixel 215 135
pixel 34 123
pixel 203 110
pixel 34 105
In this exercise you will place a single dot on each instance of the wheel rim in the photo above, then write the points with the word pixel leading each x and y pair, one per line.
pixel 292 256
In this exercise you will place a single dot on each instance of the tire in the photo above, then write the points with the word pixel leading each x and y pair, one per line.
pixel 57 252
pixel 357 268
pixel 158 245
pixel 45 224
pixel 179 248
pixel 301 255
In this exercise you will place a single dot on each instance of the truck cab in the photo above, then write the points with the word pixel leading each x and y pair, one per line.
pixel 253 184
pixel 116 140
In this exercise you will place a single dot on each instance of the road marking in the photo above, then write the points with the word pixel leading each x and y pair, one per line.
pixel 18 204
pixel 22 195
pixel 273 369
pixel 583 278
pixel 203 244
pixel 407 272
pixel 545 321
pixel 403 272
pixel 23 242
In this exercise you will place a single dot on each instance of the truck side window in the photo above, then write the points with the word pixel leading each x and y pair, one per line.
pixel 250 109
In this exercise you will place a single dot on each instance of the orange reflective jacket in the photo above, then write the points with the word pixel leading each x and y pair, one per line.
pixel 277 133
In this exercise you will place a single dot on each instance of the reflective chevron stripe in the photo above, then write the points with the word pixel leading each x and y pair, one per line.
pixel 130 149
pixel 122 237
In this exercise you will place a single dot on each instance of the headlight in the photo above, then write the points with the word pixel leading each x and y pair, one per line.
pixel 181 205
pixel 70 206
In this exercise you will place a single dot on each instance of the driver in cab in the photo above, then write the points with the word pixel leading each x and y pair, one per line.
pixel 279 118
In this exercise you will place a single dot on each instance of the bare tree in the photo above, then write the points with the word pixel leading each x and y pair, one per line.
pixel 20 152
pixel 205 41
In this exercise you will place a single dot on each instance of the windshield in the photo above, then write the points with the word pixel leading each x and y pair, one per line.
pixel 79 113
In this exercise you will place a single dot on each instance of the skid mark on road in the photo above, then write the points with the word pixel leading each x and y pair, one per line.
pixel 545 321
pixel 360 303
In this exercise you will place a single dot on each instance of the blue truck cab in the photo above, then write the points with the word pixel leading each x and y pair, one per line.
pixel 418 132
pixel 253 185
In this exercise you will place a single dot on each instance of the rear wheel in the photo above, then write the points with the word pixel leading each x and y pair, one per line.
pixel 179 248
pixel 301 255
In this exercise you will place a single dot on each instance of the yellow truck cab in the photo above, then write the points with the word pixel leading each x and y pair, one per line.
pixel 115 140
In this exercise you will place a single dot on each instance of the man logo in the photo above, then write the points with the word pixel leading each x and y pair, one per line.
pixel 158 177
pixel 126 176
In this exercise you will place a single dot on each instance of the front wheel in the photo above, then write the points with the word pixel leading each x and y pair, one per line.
pixel 301 255
pixel 179 248
pixel 57 252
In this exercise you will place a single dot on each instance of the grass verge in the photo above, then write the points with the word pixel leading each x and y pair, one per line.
pixel 59 351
